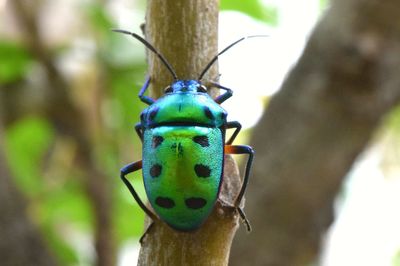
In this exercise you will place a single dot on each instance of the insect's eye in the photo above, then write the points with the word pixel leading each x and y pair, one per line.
pixel 201 88
pixel 168 89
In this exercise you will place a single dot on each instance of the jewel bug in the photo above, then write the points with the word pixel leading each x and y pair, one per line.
pixel 183 135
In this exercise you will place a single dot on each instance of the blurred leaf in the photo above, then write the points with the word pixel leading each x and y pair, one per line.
pixel 122 51
pixel 98 17
pixel 396 259
pixel 393 120
pixel 129 217
pixel 323 4
pixel 253 8
pixel 126 83
pixel 14 59
pixel 68 203
pixel 65 253
pixel 65 209
pixel 125 90
pixel 26 143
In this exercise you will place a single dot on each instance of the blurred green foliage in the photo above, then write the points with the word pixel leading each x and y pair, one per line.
pixel 253 8
pixel 393 120
pixel 323 3
pixel 396 259
pixel 14 60
pixel 35 133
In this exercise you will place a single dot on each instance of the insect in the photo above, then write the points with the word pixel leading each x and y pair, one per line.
pixel 183 135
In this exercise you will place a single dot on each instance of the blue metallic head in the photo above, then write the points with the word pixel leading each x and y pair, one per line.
pixel 186 86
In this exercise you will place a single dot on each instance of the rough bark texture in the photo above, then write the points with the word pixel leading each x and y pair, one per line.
pixel 186 33
pixel 21 243
pixel 316 126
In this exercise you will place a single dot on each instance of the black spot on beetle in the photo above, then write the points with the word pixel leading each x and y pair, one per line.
pixel 166 203
pixel 155 170
pixel 202 140
pixel 202 170
pixel 208 112
pixel 195 203
pixel 156 141
pixel 153 113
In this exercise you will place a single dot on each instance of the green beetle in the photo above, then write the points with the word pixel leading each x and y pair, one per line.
pixel 183 134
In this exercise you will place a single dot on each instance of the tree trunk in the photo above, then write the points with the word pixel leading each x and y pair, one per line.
pixel 316 126
pixel 185 32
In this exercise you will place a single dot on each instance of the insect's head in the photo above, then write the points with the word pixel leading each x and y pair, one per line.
pixel 186 86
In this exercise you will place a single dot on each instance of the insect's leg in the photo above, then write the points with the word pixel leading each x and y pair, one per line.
pixel 146 232
pixel 223 97
pixel 237 126
pixel 138 129
pixel 242 149
pixel 130 168
pixel 144 98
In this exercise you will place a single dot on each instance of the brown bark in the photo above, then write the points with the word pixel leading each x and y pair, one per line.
pixel 186 33
pixel 316 126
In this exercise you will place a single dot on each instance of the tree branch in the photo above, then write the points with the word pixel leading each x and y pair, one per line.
pixel 186 33
pixel 316 126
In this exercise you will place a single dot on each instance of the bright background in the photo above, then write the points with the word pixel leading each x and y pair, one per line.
pixel 367 229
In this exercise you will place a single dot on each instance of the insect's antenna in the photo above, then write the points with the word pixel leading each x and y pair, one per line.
pixel 223 51
pixel 151 48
